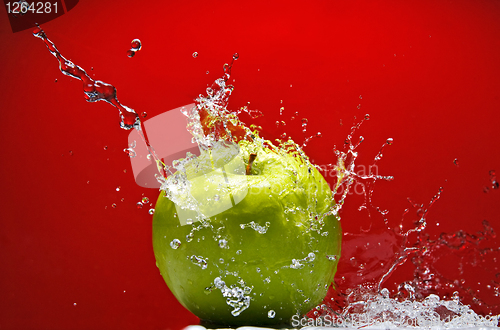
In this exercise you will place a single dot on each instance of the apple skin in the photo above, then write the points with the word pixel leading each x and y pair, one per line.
pixel 286 193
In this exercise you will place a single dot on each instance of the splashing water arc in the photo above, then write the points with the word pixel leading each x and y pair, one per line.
pixel 432 297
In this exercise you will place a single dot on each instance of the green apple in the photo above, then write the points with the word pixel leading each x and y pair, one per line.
pixel 270 255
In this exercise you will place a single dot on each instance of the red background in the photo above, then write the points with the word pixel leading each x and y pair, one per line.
pixel 428 73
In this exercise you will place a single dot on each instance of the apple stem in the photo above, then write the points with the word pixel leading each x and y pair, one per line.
pixel 250 162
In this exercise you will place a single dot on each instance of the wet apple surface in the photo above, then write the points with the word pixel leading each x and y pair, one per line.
pixel 270 256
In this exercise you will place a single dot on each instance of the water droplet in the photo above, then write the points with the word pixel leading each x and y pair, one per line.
pixel 367 116
pixel 151 211
pixel 455 161
pixel 105 147
pixel 281 110
pixel 145 200
pixel 130 152
pixel 175 244
pixel 144 114
pixel 238 252
pixel 360 97
pixel 389 141
pixel 209 289
pixel 222 243
pixel 118 188
pixel 113 205
pixel 208 72
pixel 221 260
pixel 359 106
pixel 74 304
pixel 136 45
pixel 271 314
pixel 385 293
pixel 195 54
pixel 130 53
pixel 139 205
pixel 55 80
pixel 493 180
pixel 236 56
pixel 199 261
pixel 216 197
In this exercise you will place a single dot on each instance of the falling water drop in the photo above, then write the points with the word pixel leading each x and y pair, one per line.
pixel 136 45
pixel 195 54
pixel 130 152
pixel 304 124
pixel 493 179
pixel 130 53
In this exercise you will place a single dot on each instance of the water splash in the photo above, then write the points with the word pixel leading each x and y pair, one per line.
pixel 236 297
pixel 360 298
pixel 355 297
pixel 96 90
